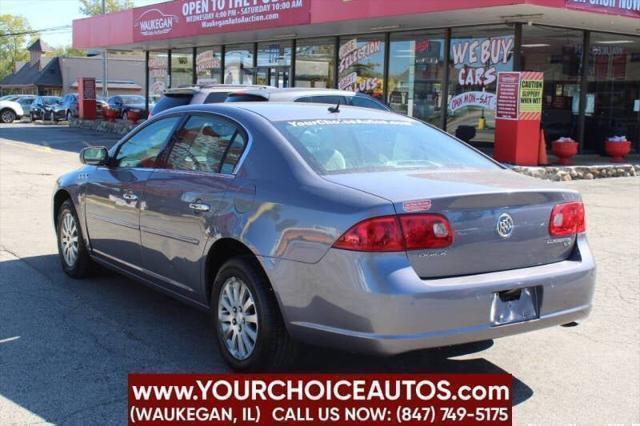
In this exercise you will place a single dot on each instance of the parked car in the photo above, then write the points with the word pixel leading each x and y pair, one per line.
pixel 10 111
pixel 42 107
pixel 347 227
pixel 195 95
pixel 101 105
pixel 25 101
pixel 300 94
pixel 67 109
pixel 124 104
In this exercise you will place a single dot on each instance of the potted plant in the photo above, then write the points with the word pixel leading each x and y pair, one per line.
pixel 564 148
pixel 617 147
pixel 133 116
pixel 110 114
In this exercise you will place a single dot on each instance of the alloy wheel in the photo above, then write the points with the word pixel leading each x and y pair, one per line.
pixel 69 239
pixel 7 116
pixel 238 318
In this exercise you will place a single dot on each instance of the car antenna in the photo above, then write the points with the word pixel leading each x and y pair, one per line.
pixel 336 108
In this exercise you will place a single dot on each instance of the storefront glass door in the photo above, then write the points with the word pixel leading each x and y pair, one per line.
pixel 613 90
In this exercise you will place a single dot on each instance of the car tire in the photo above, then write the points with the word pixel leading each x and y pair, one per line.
pixel 73 253
pixel 69 116
pixel 272 347
pixel 7 116
pixel 125 115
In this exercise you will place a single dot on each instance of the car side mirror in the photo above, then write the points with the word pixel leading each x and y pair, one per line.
pixel 94 156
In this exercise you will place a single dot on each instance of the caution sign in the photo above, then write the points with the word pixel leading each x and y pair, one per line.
pixel 531 89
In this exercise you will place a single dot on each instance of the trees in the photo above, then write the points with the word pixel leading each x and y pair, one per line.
pixel 66 51
pixel 13 42
pixel 94 7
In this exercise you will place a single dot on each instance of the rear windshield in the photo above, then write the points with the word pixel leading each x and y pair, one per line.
pixel 171 101
pixel 130 99
pixel 245 97
pixel 370 145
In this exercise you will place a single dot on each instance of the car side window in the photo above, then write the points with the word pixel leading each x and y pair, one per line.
pixel 363 102
pixel 326 99
pixel 233 154
pixel 203 142
pixel 143 148
pixel 216 97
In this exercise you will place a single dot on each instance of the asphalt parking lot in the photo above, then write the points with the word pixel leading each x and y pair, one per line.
pixel 66 346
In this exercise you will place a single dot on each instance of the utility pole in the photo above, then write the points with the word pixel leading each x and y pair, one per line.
pixel 105 53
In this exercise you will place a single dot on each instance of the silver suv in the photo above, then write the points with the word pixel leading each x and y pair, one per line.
pixel 199 94
pixel 308 95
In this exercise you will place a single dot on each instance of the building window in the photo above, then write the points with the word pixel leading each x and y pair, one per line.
pixel 361 64
pixel 558 54
pixel 238 62
pixel 181 67
pixel 158 75
pixel 613 90
pixel 274 64
pixel 316 63
pixel 416 72
pixel 208 65
pixel 477 56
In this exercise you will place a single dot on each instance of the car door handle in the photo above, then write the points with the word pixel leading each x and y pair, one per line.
pixel 130 197
pixel 200 207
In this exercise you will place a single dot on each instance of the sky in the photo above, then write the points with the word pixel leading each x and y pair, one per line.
pixel 51 13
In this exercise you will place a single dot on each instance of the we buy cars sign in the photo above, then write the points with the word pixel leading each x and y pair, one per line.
pixel 199 17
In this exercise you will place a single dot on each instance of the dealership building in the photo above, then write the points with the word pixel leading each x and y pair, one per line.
pixel 434 60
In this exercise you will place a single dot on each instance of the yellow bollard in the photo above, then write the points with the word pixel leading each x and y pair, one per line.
pixel 482 122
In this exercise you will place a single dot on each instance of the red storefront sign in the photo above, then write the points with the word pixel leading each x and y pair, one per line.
pixel 613 7
pixel 197 17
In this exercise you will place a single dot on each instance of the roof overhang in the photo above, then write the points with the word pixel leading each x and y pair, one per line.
pixel 166 25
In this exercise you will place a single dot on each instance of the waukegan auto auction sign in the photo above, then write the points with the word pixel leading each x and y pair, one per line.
pixel 199 17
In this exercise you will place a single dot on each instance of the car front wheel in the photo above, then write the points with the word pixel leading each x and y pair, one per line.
pixel 7 116
pixel 249 328
pixel 71 248
pixel 69 116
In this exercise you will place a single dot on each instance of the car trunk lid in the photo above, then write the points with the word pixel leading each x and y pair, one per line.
pixel 474 202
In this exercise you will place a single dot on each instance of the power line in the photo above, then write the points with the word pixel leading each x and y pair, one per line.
pixel 44 30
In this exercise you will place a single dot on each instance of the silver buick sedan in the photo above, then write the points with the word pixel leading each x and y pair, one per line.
pixel 330 225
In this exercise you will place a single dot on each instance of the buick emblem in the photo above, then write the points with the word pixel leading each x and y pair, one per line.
pixel 504 227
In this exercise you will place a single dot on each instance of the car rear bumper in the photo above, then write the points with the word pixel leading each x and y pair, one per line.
pixel 375 303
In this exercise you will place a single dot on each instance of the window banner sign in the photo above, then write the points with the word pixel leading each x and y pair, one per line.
pixel 518 115
pixel 354 55
pixel 485 100
pixel 612 7
pixel 188 18
pixel 346 399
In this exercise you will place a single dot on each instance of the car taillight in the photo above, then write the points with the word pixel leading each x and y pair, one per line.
pixel 426 231
pixel 567 219
pixel 398 233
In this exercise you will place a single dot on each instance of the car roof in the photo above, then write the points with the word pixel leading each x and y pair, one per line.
pixel 282 94
pixel 286 111
pixel 190 90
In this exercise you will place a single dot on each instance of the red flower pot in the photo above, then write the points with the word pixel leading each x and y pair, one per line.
pixel 617 150
pixel 133 116
pixel 110 115
pixel 564 151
